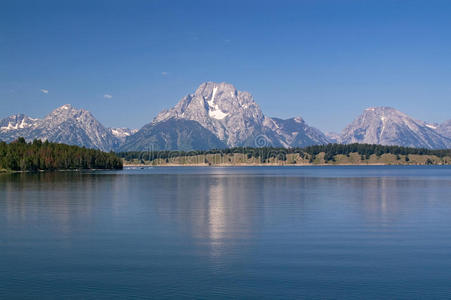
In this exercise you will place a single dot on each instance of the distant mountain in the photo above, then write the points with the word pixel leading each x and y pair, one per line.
pixel 388 126
pixel 123 133
pixel 63 125
pixel 15 126
pixel 172 134
pixel 295 132
pixel 69 125
pixel 334 137
pixel 235 119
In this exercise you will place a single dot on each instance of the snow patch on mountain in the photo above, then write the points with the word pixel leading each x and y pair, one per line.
pixel 123 133
pixel 16 122
pixel 214 110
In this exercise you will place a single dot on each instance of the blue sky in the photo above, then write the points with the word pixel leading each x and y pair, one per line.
pixel 323 60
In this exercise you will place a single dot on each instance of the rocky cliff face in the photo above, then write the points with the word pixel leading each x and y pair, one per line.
pixel 388 126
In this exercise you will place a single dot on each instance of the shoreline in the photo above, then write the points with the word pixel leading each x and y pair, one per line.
pixel 291 159
pixel 271 165
pixel 4 171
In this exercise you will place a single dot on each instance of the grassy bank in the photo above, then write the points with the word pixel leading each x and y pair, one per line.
pixel 237 159
pixel 332 154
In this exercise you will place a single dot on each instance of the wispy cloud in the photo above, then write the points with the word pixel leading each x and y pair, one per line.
pixel 164 73
pixel 107 96
pixel 44 91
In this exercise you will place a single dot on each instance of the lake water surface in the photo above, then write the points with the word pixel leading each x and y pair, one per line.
pixel 253 232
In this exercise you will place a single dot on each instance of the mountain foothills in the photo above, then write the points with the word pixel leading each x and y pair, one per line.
pixel 217 115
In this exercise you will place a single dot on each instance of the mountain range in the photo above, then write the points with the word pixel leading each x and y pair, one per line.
pixel 217 115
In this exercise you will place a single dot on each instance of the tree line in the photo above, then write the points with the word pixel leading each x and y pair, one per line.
pixel 37 155
pixel 310 152
pixel 366 150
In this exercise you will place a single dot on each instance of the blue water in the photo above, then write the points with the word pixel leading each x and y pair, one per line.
pixel 288 232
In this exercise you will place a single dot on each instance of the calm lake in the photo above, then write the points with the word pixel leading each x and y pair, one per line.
pixel 251 232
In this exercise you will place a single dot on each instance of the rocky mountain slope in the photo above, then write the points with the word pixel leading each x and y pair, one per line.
pixel 388 126
pixel 172 134
pixel 445 129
